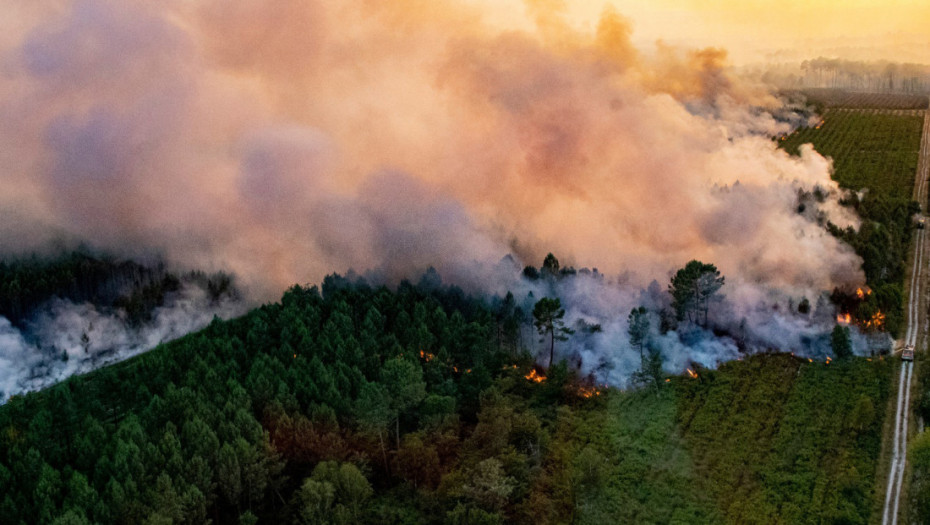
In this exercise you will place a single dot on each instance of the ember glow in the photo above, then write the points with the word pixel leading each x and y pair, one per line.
pixel 588 392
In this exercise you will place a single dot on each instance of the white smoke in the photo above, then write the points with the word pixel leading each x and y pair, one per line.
pixel 65 338
pixel 745 319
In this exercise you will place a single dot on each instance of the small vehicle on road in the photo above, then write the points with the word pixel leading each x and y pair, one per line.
pixel 908 353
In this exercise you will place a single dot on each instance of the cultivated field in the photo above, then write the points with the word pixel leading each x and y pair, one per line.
pixel 874 149
pixel 875 142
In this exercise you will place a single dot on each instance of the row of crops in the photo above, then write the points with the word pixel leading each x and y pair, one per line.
pixel 871 150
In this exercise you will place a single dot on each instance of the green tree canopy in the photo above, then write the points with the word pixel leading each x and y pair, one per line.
pixel 548 317
pixel 839 340
pixel 692 289
pixel 405 388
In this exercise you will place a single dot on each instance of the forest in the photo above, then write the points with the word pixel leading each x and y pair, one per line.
pixel 350 403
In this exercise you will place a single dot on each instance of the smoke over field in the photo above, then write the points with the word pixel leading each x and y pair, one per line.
pixel 286 140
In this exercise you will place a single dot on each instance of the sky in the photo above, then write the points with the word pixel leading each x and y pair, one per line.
pixel 760 30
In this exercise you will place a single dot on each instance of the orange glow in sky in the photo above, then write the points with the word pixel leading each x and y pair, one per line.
pixel 756 30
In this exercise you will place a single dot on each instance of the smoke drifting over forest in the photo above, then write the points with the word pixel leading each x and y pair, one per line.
pixel 286 140
pixel 64 338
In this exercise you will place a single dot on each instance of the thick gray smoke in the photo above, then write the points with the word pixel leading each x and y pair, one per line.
pixel 285 140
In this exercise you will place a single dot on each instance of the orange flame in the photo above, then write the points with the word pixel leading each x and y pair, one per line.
pixel 534 377
pixel 588 392
pixel 843 318
pixel 692 373
pixel 859 293
pixel 426 356
pixel 877 320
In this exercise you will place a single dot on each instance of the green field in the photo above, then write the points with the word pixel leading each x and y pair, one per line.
pixel 772 439
pixel 874 150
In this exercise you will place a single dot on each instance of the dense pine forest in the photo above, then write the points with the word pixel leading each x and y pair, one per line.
pixel 355 404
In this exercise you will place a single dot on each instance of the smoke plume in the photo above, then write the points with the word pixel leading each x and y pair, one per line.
pixel 285 140
pixel 65 338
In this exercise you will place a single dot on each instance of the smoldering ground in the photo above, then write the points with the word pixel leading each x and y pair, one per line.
pixel 286 140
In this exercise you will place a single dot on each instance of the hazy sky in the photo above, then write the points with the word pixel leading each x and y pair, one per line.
pixel 754 30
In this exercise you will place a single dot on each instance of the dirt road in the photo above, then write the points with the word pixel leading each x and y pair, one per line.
pixel 915 322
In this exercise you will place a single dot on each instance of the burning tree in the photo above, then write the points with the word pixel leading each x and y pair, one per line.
pixel 692 289
pixel 548 314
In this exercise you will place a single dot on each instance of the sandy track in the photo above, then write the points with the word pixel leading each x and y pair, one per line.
pixel 905 379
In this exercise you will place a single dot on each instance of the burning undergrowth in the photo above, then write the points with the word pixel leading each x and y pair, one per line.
pixel 738 319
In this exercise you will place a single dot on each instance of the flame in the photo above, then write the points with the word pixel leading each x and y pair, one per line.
pixel 843 318
pixel 668 380
pixel 877 320
pixel 588 392
pixel 692 373
pixel 809 360
pixel 427 356
pixel 859 293
pixel 534 377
